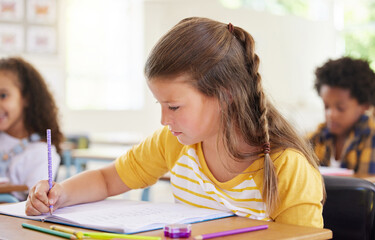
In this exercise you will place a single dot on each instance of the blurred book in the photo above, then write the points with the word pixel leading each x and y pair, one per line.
pixel 336 171
pixel 4 180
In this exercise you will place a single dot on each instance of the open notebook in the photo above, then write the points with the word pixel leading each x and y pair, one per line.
pixel 121 216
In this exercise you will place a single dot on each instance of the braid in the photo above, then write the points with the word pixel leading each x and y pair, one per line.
pixel 270 191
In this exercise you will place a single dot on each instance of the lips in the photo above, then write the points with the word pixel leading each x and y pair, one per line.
pixel 175 133
pixel 2 116
pixel 333 125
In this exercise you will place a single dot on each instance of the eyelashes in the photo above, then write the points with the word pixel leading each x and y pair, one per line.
pixel 173 108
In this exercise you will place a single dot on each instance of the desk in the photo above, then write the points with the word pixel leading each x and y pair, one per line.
pixel 78 157
pixel 101 154
pixel 367 176
pixel 333 171
pixel 116 138
pixel 10 228
pixel 8 187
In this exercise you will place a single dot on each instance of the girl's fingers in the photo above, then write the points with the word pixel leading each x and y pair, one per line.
pixel 41 192
pixel 34 206
pixel 38 201
pixel 54 195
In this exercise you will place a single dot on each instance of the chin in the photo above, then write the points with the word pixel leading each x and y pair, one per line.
pixel 185 141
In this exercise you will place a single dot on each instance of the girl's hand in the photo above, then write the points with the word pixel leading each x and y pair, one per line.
pixel 40 198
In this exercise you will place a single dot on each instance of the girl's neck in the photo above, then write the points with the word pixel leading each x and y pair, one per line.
pixel 221 164
pixel 18 133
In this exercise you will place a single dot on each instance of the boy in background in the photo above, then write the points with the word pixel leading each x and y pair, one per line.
pixel 347 138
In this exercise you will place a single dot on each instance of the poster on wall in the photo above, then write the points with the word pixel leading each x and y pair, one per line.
pixel 11 38
pixel 41 11
pixel 11 10
pixel 41 39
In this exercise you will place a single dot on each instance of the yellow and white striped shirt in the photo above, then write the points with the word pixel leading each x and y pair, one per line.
pixel 300 186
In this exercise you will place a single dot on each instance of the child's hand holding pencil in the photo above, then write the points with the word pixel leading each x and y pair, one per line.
pixel 41 197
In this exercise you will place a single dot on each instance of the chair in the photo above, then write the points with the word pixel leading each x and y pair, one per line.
pixel 349 210
pixel 7 198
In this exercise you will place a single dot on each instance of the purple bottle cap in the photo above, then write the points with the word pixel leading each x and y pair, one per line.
pixel 177 230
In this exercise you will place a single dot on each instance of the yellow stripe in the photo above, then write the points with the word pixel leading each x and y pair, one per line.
pixel 250 209
pixel 196 174
pixel 194 193
pixel 217 189
pixel 212 199
pixel 192 158
pixel 242 189
pixel 206 181
pixel 183 177
pixel 190 203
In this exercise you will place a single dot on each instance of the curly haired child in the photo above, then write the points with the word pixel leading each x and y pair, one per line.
pixel 347 138
pixel 27 109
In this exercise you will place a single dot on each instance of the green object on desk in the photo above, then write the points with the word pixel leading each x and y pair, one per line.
pixel 49 231
pixel 95 235
pixel 118 236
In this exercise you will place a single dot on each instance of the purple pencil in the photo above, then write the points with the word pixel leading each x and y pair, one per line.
pixel 230 232
pixel 49 164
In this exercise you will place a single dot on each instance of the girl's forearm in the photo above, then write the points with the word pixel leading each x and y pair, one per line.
pixel 87 186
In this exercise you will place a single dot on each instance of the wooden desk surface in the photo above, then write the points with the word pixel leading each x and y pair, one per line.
pixel 368 177
pixel 8 187
pixel 10 228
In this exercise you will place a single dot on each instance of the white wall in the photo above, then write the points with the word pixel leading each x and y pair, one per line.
pixel 289 48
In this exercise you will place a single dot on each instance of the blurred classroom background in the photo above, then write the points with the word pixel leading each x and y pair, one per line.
pixel 92 53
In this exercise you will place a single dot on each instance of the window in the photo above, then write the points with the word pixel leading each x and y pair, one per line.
pixel 354 20
pixel 358 30
pixel 104 61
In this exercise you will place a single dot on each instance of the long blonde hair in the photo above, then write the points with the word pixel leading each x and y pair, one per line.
pixel 222 63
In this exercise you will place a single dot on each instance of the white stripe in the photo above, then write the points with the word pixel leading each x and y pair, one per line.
pixel 215 197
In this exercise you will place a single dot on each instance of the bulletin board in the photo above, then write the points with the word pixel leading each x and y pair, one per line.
pixel 28 26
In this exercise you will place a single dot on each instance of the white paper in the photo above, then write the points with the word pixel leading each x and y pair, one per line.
pixel 121 215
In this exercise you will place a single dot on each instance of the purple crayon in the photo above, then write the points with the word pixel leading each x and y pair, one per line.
pixel 49 164
pixel 230 232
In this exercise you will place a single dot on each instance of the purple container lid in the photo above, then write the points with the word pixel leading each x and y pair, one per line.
pixel 177 230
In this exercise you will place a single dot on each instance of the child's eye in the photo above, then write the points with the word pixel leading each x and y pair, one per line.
pixel 3 95
pixel 173 108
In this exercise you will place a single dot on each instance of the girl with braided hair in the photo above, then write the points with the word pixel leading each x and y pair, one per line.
pixel 223 142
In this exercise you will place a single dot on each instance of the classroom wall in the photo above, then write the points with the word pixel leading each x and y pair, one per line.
pixel 289 49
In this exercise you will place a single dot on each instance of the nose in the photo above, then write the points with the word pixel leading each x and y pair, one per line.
pixel 331 114
pixel 165 117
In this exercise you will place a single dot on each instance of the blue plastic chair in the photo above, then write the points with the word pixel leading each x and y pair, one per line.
pixel 7 198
